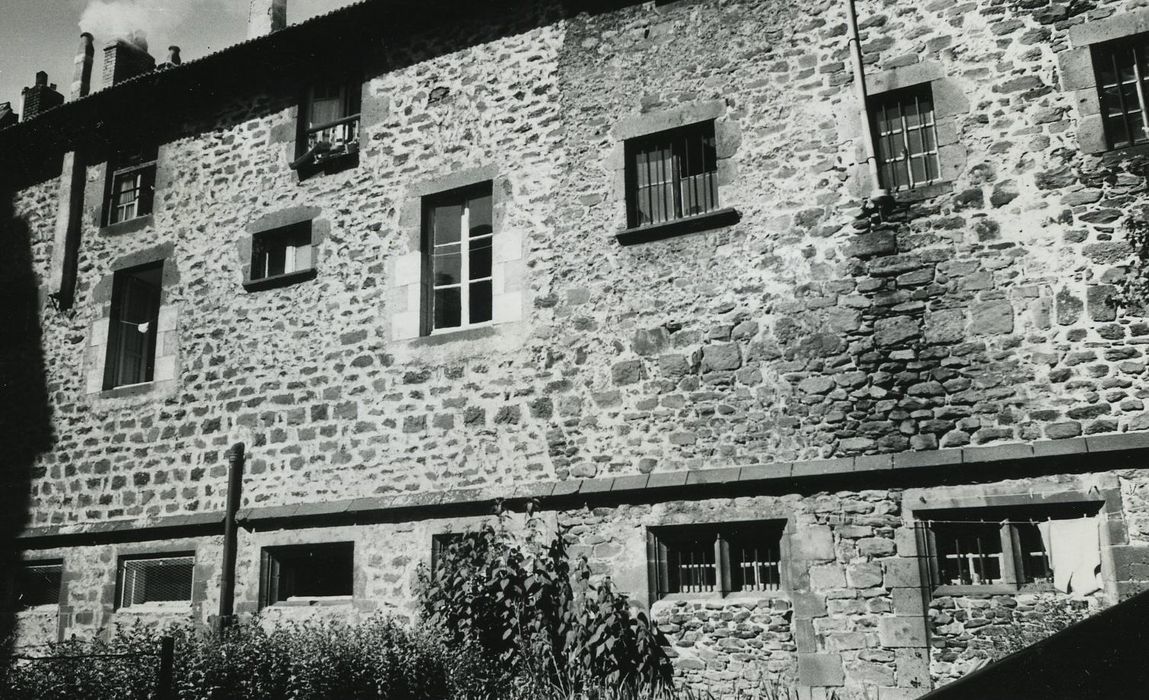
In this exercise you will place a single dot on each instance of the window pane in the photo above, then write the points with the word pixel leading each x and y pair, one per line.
pixel 447 220
pixel 276 258
pixel 969 554
pixel 479 211
pixel 481 251
pixel 448 307
pixel 132 333
pixel 156 580
pixel 316 572
pixel 326 110
pixel 447 265
pixel 39 584
pixel 481 302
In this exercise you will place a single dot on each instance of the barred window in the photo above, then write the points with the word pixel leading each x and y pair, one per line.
pixel 161 579
pixel 306 572
pixel 1001 546
pixel 671 175
pixel 132 328
pixel 38 583
pixel 906 139
pixel 282 251
pixel 458 246
pixel 715 559
pixel 131 185
pixel 1122 69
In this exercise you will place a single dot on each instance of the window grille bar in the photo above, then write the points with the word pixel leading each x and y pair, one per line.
pixel 1138 80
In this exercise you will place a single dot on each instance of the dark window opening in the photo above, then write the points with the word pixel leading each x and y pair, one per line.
pixel 131 186
pixel 38 584
pixel 159 579
pixel 329 121
pixel 1122 70
pixel 715 559
pixel 132 326
pixel 1010 546
pixel 906 138
pixel 458 247
pixel 307 571
pixel 671 175
pixel 281 251
pixel 442 544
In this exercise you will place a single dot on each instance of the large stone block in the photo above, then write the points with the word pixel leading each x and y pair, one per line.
pixel 812 543
pixel 821 670
pixel 899 632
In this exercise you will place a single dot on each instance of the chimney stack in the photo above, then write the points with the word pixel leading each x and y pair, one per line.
pixel 265 17
pixel 82 80
pixel 126 58
pixel 40 97
pixel 7 116
pixel 173 58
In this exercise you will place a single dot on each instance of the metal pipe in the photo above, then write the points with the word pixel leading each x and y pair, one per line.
pixel 235 459
pixel 876 191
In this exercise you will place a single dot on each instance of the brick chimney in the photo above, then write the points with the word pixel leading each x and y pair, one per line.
pixel 40 97
pixel 126 58
pixel 7 116
pixel 82 79
pixel 265 17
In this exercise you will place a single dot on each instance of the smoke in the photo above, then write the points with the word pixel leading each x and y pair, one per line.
pixel 128 19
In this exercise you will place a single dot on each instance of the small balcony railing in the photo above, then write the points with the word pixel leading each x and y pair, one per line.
pixel 341 135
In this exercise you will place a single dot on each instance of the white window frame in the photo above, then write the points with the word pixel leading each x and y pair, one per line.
pixel 465 281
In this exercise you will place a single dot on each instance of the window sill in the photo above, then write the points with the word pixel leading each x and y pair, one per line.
pixel 127 390
pixel 276 281
pixel 679 227
pixel 157 607
pixel 329 165
pixel 442 337
pixel 129 226
pixel 992 589
pixel 918 194
pixel 1117 154
pixel 732 596
pixel 308 602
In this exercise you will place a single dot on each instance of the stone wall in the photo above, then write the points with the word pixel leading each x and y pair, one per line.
pixel 986 314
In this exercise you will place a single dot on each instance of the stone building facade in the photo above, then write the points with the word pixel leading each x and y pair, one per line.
pixel 853 377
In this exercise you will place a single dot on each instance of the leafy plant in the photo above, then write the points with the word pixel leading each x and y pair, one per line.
pixel 531 616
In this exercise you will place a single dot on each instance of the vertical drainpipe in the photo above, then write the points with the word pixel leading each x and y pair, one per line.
pixel 877 193
pixel 235 458
pixel 70 209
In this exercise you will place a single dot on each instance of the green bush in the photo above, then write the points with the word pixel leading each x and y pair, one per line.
pixel 375 660
pixel 526 618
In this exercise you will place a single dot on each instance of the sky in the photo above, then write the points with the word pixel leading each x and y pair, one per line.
pixel 44 34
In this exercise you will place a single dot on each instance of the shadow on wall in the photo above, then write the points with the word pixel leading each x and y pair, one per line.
pixel 25 430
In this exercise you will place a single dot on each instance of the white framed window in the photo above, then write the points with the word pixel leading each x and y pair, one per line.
pixel 155 579
pixel 131 186
pixel 458 250
pixel 329 120
pixel 281 251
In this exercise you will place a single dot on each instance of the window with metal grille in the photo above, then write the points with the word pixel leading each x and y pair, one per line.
pixel 458 247
pixel 281 251
pixel 671 175
pixel 329 119
pixel 993 546
pixel 1122 69
pixel 715 559
pixel 38 583
pixel 307 571
pixel 131 186
pixel 132 331
pixel 442 543
pixel 906 138
pixel 160 579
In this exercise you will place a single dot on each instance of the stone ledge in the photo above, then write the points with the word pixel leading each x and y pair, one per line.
pixel 557 494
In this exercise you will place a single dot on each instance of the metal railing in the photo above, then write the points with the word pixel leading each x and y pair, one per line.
pixel 164 687
pixel 342 135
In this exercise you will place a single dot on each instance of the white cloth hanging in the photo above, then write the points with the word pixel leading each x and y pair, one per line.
pixel 1074 549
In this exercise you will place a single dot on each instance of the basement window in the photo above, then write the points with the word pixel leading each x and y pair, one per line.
pixel 156 579
pixel 1122 69
pixel 671 175
pixel 328 124
pixel 281 256
pixel 715 560
pixel 38 583
pixel 458 249
pixel 1011 549
pixel 443 544
pixel 132 327
pixel 906 137
pixel 307 573
pixel 131 186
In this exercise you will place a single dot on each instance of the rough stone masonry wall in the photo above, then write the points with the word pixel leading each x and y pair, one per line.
pixel 806 330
